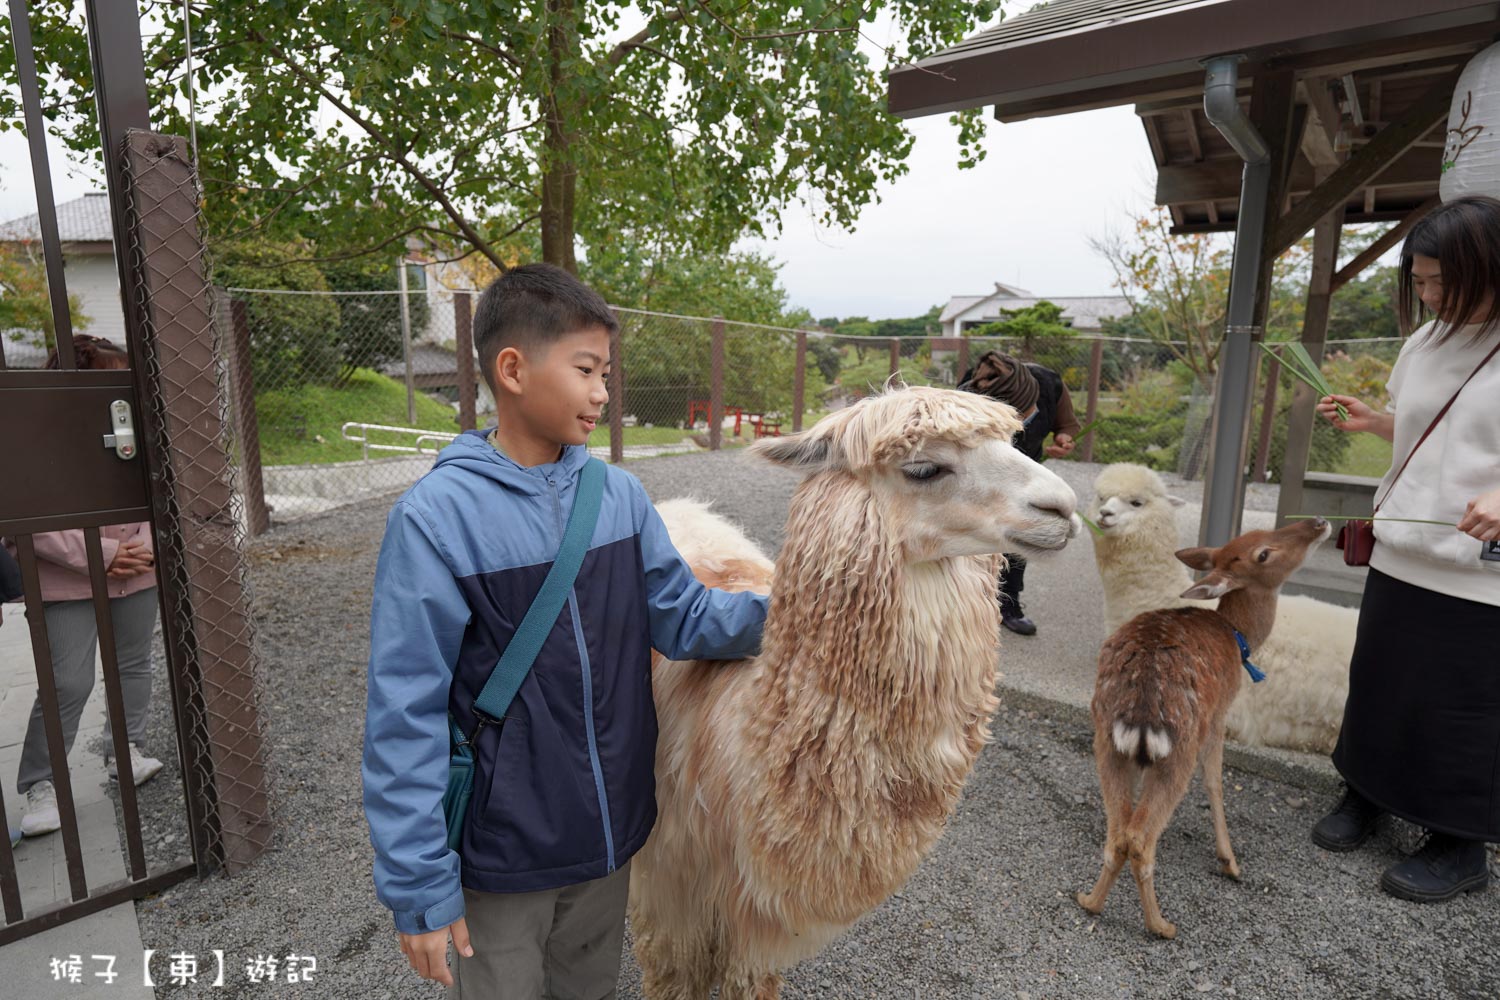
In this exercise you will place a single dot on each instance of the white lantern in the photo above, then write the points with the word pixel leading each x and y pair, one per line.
pixel 1471 154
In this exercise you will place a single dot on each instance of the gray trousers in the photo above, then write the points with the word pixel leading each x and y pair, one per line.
pixel 73 635
pixel 559 944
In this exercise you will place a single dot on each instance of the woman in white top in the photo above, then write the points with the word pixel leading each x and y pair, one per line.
pixel 1421 732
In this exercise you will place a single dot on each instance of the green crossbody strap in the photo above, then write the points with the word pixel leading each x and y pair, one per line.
pixel 521 652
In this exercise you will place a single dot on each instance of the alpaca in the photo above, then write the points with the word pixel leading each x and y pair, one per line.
pixel 799 789
pixel 1300 706
pixel 1166 680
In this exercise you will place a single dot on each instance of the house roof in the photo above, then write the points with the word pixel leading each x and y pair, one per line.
pixel 82 220
pixel 1087 312
pixel 962 303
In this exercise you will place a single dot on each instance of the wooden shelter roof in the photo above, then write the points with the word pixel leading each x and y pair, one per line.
pixel 1360 66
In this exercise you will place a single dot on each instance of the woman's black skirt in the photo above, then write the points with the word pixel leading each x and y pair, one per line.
pixel 1421 733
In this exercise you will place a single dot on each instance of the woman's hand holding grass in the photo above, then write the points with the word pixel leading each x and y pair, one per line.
pixel 1361 417
pixel 1482 518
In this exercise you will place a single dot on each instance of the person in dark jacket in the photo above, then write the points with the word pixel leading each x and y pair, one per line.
pixel 564 789
pixel 1042 401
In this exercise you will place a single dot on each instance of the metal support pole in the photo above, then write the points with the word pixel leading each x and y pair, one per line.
pixel 716 386
pixel 1096 369
pixel 463 343
pixel 616 385
pixel 799 381
pixel 1267 420
pixel 411 395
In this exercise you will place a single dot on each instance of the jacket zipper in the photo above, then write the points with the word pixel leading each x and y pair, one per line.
pixel 588 696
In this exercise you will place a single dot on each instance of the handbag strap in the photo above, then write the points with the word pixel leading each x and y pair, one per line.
pixel 521 652
pixel 1433 426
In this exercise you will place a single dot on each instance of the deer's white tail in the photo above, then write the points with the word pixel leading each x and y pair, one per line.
pixel 1145 743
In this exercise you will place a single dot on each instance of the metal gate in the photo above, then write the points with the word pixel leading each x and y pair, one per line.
pixel 89 449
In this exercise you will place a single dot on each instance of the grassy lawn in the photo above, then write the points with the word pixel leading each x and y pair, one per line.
pixel 301 426
pixel 1368 455
pixel 639 435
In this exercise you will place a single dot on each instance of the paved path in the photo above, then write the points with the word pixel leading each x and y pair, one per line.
pixel 25 966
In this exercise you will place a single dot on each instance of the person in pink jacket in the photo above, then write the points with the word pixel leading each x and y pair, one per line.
pixel 72 631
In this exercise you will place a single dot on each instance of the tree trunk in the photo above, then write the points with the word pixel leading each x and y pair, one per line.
pixel 559 177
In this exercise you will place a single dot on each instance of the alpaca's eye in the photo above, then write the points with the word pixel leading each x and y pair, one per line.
pixel 922 471
pixel 1135 503
pixel 1264 555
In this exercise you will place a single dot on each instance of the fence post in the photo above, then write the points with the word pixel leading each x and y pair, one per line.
pixel 1267 419
pixel 246 422
pixel 963 356
pixel 411 398
pixel 206 623
pixel 1096 368
pixel 895 355
pixel 463 337
pixel 799 382
pixel 716 386
pixel 616 393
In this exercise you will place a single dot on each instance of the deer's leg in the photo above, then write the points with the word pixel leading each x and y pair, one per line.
pixel 1213 783
pixel 1165 783
pixel 1116 782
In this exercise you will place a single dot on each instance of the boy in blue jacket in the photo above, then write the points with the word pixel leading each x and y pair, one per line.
pixel 564 789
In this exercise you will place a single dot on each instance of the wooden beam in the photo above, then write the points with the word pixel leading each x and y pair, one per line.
pixel 1350 219
pixel 1314 335
pixel 1318 140
pixel 1363 166
pixel 1219 179
pixel 1280 120
pixel 1387 240
pixel 1195 143
pixel 1153 136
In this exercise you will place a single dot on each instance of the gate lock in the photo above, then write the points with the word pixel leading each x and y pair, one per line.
pixel 123 439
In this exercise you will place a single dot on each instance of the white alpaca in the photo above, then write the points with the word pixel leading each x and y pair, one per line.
pixel 799 789
pixel 1300 704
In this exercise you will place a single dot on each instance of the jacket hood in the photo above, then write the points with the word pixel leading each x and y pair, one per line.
pixel 472 452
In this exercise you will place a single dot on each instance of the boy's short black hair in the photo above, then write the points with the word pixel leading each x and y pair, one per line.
pixel 530 307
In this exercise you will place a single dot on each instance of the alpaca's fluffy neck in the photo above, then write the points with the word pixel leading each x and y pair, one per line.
pixel 1139 572
pixel 853 629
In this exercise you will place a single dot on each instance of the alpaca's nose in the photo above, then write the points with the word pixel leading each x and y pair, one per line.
pixel 1058 505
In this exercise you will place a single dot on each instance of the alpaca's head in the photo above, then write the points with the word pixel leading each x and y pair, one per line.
pixel 937 468
pixel 1131 498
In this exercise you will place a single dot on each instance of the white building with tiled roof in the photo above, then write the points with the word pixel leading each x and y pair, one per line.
pixel 1084 313
pixel 83 225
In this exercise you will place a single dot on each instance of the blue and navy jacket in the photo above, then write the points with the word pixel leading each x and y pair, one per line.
pixel 565 791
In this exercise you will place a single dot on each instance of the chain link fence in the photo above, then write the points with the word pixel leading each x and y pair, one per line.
pixel 352 394
pixel 206 624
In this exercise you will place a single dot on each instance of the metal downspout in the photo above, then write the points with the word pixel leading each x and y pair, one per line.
pixel 1224 487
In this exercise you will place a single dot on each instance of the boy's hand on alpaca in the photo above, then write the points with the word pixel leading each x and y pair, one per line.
pixel 428 953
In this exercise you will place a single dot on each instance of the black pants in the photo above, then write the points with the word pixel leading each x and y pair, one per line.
pixel 1013 580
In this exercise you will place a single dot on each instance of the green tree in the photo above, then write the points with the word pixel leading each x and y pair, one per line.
pixel 294 338
pixel 25 306
pixel 369 332
pixel 1365 307
pixel 469 124
pixel 1029 325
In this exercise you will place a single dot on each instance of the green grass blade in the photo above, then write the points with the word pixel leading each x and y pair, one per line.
pixel 1335 517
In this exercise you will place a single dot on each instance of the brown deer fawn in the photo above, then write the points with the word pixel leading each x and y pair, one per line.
pixel 1166 678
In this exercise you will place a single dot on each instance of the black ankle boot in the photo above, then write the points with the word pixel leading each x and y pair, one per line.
pixel 1349 825
pixel 1013 616
pixel 1443 868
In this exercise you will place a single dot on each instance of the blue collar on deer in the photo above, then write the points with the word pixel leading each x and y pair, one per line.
pixel 1256 674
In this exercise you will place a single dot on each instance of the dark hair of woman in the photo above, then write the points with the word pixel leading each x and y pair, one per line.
pixel 1463 236
pixel 91 353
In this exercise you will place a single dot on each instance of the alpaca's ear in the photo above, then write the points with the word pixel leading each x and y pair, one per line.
pixel 1199 558
pixel 808 450
pixel 1211 586
pixel 1176 501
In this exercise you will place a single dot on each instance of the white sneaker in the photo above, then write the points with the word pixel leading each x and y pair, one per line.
pixel 40 815
pixel 142 768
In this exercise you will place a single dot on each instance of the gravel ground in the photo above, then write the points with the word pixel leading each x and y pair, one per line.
pixel 989 914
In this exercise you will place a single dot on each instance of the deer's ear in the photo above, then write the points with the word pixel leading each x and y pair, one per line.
pixel 809 450
pixel 1211 586
pixel 1198 558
